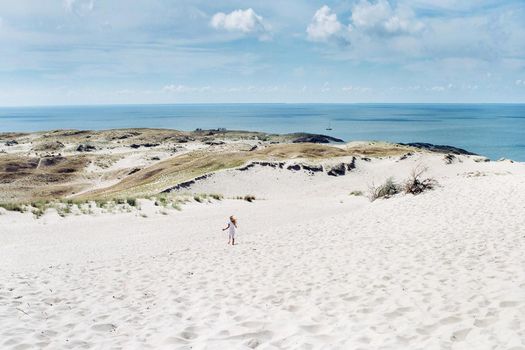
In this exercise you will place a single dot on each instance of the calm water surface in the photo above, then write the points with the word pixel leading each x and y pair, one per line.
pixel 494 130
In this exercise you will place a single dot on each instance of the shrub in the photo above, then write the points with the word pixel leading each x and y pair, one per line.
pixel 39 208
pixel 356 193
pixel 416 184
pixel 198 198
pixel 38 212
pixel 63 211
pixel 386 190
pixel 100 203
pixel 131 202
pixel 216 196
pixel 161 201
pixel 249 198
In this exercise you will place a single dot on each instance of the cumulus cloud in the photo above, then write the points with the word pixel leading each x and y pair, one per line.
pixel 324 25
pixel 368 18
pixel 243 21
pixel 381 18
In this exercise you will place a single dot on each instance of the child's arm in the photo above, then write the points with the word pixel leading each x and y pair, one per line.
pixel 227 227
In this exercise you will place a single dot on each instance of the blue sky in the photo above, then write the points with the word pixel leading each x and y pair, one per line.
pixel 58 52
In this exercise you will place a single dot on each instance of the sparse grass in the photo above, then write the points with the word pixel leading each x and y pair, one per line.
pixel 161 201
pixel 217 196
pixel 39 208
pixel 100 203
pixel 13 207
pixel 203 197
pixel 386 190
pixel 357 193
pixel 378 149
pixel 415 185
pixel 248 198
pixel 64 211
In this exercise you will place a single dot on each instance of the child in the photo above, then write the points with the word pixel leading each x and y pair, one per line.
pixel 232 229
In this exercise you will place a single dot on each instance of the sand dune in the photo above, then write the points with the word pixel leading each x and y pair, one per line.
pixel 313 270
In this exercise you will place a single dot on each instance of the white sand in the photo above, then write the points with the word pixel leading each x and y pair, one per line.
pixel 315 268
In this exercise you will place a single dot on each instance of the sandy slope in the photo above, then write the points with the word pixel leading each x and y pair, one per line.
pixel 314 268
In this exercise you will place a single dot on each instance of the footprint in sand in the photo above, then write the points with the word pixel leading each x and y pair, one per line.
pixel 398 312
pixel 508 304
pixel 253 324
pixel 485 322
pixel 104 327
pixel 314 328
pixel 450 320
pixel 175 341
pixel 460 335
pixel 252 343
pixel 188 335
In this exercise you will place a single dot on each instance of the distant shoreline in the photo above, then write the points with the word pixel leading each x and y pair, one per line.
pixel 494 130
pixel 267 103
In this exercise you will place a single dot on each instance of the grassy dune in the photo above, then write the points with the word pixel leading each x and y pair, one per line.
pixel 158 177
pixel 48 166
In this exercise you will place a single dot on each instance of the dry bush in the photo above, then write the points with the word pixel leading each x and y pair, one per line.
pixel 416 184
pixel 386 190
pixel 249 198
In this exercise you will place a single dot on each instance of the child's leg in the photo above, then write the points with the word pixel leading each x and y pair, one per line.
pixel 233 240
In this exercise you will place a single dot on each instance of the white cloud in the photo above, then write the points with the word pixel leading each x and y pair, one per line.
pixel 79 7
pixel 382 18
pixel 244 21
pixel 350 89
pixel 324 25
pixel 172 88
pixel 368 18
pixel 520 82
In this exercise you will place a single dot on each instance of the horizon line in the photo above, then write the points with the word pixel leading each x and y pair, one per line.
pixel 260 103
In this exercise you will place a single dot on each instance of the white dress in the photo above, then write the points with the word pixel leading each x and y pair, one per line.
pixel 232 230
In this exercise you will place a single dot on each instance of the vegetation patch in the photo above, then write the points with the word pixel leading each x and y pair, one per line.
pixel 415 184
pixel 388 189
pixel 357 193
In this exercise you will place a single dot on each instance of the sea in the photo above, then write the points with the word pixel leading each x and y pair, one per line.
pixel 493 130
